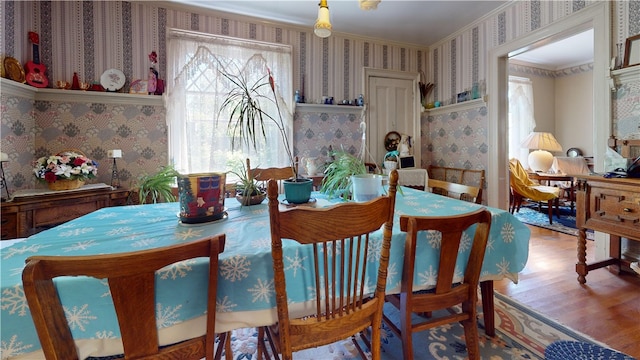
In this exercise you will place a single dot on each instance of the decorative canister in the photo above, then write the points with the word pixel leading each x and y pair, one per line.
pixel 201 197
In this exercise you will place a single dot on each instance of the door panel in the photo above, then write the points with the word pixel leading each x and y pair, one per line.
pixel 392 109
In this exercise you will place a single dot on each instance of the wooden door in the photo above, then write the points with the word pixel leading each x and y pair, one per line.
pixel 393 105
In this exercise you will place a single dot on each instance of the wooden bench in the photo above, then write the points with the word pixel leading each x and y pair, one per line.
pixel 469 177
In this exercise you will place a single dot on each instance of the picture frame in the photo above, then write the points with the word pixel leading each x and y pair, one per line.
pixel 632 51
pixel 139 87
pixel 407 162
pixel 463 96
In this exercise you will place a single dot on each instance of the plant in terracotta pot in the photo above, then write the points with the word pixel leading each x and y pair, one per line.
pixel 247 107
pixel 248 191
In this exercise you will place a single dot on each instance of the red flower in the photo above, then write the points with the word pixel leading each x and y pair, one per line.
pixel 50 177
pixel 78 161
pixel 272 82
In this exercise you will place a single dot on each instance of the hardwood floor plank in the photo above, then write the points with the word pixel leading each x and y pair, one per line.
pixel 606 308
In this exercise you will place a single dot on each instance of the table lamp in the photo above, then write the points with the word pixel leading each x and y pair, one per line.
pixel 540 159
pixel 115 178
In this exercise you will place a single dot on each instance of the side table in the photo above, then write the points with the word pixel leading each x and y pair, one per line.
pixel 25 215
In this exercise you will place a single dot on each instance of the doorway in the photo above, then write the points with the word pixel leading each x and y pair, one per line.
pixel 548 90
pixel 597 17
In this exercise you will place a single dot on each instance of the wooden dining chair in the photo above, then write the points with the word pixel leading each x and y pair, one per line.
pixel 448 291
pixel 263 175
pixel 339 239
pixel 132 282
pixel 457 191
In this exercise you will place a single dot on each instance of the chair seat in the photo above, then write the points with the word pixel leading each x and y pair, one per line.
pixel 577 350
pixel 551 190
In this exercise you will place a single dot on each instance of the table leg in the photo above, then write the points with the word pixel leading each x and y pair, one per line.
pixel 581 266
pixel 488 307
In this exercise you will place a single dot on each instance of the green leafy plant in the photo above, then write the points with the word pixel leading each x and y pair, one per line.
pixel 337 178
pixel 246 105
pixel 157 187
pixel 245 185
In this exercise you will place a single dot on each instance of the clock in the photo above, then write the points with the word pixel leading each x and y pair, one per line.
pixel 574 152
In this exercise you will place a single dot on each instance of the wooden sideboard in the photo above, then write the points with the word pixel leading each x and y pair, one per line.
pixel 27 215
pixel 610 206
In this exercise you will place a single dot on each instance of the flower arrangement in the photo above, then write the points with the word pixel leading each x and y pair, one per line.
pixel 67 165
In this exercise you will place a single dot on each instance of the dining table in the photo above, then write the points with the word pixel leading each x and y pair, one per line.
pixel 245 289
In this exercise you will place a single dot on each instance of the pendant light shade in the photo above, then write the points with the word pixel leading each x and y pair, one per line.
pixel 322 28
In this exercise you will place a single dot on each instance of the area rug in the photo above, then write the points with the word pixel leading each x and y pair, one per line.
pixel 566 223
pixel 521 333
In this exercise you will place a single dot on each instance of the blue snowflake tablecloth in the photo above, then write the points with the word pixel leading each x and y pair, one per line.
pixel 245 285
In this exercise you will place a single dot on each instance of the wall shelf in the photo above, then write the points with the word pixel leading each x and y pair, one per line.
pixel 470 104
pixel 10 87
pixel 625 75
pixel 342 109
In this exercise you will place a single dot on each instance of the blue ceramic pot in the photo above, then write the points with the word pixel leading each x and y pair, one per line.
pixel 298 191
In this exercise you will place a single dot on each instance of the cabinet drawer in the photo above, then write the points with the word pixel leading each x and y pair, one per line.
pixel 9 228
pixel 618 209
pixel 59 215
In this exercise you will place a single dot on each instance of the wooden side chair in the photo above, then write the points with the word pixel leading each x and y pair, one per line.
pixel 372 168
pixel 338 237
pixel 457 191
pixel 131 277
pixel 264 174
pixel 471 177
pixel 446 293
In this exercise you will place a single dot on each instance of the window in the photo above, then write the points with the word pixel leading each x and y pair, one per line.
pixel 199 140
pixel 521 120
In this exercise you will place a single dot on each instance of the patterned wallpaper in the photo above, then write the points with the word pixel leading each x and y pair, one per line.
pixel 456 137
pixel 118 34
pixel 31 129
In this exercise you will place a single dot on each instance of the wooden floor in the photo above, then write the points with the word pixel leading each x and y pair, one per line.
pixel 606 308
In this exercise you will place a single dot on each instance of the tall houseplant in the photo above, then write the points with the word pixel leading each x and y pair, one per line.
pixel 247 105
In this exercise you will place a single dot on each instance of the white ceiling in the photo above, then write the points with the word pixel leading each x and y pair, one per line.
pixel 420 22
pixel 568 52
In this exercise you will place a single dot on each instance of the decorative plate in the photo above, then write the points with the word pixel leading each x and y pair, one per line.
pixel 574 152
pixel 112 80
pixel 14 69
pixel 391 140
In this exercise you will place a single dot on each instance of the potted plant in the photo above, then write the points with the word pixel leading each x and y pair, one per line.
pixel 157 187
pixel 248 191
pixel 246 108
pixel 338 175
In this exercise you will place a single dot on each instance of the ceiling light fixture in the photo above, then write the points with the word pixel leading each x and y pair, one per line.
pixel 322 28
pixel 369 4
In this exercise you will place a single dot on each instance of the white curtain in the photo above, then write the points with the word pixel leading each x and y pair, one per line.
pixel 521 119
pixel 199 139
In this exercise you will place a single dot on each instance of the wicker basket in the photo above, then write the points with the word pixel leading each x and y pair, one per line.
pixel 65 184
